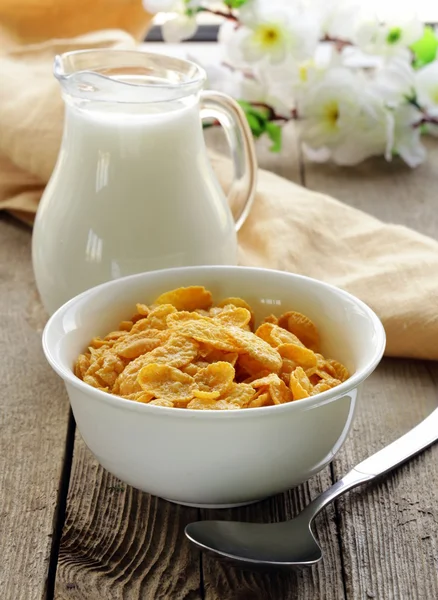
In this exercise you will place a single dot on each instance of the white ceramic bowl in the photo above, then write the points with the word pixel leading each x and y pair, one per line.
pixel 214 458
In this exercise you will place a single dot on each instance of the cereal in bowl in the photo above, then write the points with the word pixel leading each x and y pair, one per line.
pixel 184 352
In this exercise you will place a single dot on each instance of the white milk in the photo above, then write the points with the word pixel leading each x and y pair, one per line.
pixel 131 192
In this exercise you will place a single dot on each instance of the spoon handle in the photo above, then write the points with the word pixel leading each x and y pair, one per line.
pixel 391 456
pixel 417 439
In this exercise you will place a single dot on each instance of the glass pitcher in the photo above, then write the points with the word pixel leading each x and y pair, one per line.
pixel 133 189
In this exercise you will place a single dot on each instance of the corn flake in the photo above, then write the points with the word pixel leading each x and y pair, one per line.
pixel 261 399
pixel 177 352
pixel 216 377
pixel 187 298
pixel 300 385
pixel 300 355
pixel 126 325
pixel 240 393
pixel 340 372
pixel 209 333
pixel 240 303
pixel 134 345
pixel 251 367
pixel 166 382
pixel 256 348
pixel 275 335
pixel 198 404
pixel 214 355
pixel 156 319
pixel 236 316
pixel 271 319
pixel 162 402
pixel 303 328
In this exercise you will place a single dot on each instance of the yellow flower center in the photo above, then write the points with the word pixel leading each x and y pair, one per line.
pixel 303 70
pixel 331 114
pixel 303 73
pixel 268 35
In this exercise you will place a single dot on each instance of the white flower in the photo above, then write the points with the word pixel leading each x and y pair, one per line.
pixel 155 6
pixel 223 79
pixel 273 31
pixel 178 28
pixel 426 81
pixel 178 25
pixel 258 89
pixel 248 11
pixel 342 119
pixel 391 38
pixel 337 18
pixel 395 81
pixel 407 143
pixel 278 85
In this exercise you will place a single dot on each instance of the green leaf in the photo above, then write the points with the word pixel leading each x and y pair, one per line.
pixel 260 113
pixel 274 132
pixel 425 49
pixel 256 126
pixel 394 35
pixel 192 11
pixel 234 3
pixel 246 106
pixel 257 120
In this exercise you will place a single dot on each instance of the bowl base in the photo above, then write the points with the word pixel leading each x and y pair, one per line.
pixel 213 506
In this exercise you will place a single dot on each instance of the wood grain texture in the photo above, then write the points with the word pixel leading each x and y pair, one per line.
pixel 33 426
pixel 119 543
pixel 223 582
pixel 390 191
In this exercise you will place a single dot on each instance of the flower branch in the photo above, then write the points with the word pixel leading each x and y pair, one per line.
pixel 220 13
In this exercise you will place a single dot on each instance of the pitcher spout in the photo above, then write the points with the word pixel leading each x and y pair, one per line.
pixel 126 76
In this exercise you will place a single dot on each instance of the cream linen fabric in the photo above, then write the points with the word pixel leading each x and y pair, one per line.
pixel 391 268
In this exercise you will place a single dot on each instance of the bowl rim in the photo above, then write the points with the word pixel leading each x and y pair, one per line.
pixel 353 382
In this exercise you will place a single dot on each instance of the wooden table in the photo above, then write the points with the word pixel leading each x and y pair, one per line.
pixel 71 531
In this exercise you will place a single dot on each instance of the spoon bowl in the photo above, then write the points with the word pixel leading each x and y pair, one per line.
pixel 258 545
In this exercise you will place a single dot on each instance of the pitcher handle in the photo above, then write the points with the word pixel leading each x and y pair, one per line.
pixel 232 118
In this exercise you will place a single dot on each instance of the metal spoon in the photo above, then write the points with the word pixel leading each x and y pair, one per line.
pixel 292 543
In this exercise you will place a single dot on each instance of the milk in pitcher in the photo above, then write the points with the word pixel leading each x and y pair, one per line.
pixel 133 190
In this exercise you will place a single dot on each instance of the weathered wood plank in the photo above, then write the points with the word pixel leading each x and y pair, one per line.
pixel 390 191
pixel 33 426
pixel 119 543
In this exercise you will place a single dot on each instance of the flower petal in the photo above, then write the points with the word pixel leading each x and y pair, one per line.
pixel 178 28
pixel 155 6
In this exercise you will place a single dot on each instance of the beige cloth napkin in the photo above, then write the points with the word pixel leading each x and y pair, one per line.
pixel 391 268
